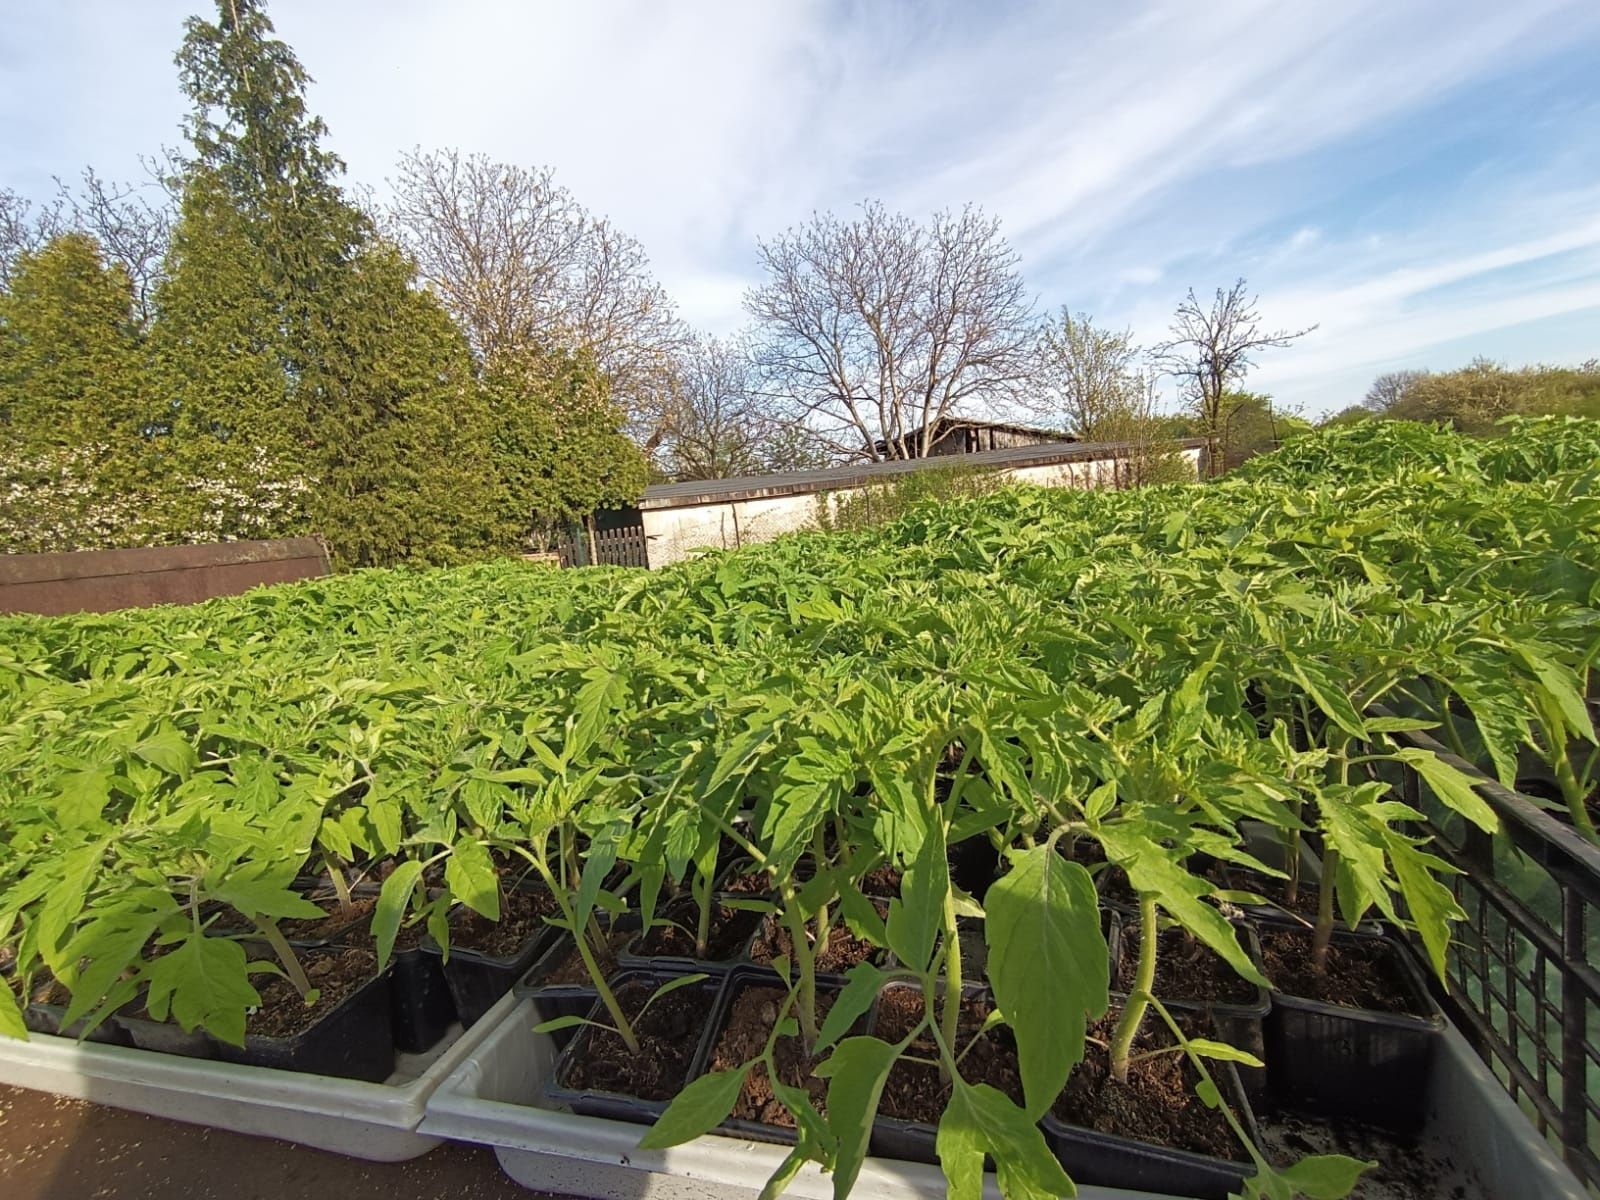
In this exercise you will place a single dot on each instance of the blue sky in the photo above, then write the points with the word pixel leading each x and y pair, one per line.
pixel 1421 179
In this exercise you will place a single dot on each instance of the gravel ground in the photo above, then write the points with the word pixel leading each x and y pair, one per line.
pixel 57 1149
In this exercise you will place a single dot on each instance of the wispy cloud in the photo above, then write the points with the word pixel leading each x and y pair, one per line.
pixel 1405 175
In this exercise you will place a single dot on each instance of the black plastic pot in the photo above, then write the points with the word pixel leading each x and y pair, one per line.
pixel 164 1037
pixel 1329 1060
pixel 46 1018
pixel 630 955
pixel 421 1006
pixel 1112 1161
pixel 353 1040
pixel 1239 1023
pixel 477 980
pixel 619 1106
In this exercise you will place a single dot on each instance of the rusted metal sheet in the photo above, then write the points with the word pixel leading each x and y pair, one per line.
pixel 104 580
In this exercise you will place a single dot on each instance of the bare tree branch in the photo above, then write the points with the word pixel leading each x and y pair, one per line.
pixel 519 263
pixel 1210 352
pixel 871 331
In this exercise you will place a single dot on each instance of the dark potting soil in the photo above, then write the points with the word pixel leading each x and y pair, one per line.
pixel 668 1035
pixel 1157 1104
pixel 730 930
pixel 335 974
pixel 1360 974
pixel 522 913
pixel 570 970
pixel 883 882
pixel 843 951
pixel 749 882
pixel 1276 892
pixel 1114 886
pixel 1186 969
pixel 301 929
pixel 914 1091
pixel 750 1021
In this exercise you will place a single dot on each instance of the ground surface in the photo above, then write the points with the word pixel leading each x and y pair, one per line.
pixel 57 1149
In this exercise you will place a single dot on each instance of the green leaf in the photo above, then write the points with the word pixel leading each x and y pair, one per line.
pixel 556 1024
pixel 11 1022
pixel 1453 787
pixel 1152 870
pixel 1325 1176
pixel 83 797
pixel 390 910
pixel 264 898
pixel 1431 904
pixel 915 916
pixel 855 1071
pixel 979 1118
pixel 1048 965
pixel 861 987
pixel 203 982
pixel 1207 1048
pixel 469 874
pixel 698 1109
pixel 169 750
pixel 1329 694
pixel 387 823
pixel 666 989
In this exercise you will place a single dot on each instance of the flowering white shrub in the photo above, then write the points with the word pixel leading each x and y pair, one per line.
pixel 90 498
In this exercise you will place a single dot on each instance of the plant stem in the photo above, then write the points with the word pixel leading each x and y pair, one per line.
pixel 805 960
pixel 280 947
pixel 1323 934
pixel 952 970
pixel 1139 999
pixel 341 887
pixel 598 977
pixel 1572 792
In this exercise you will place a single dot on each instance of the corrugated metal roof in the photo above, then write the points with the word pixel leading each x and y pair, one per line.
pixel 755 487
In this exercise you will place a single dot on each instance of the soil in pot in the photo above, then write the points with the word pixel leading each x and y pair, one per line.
pixel 914 1091
pixel 882 882
pixel 1157 1104
pixel 1360 974
pixel 669 1035
pixel 843 951
pixel 522 913
pixel 306 929
pixel 730 930
pixel 1276 892
pixel 570 971
pixel 335 974
pixel 743 1036
pixel 1186 969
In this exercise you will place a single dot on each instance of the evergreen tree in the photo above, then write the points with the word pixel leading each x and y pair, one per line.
pixel 398 430
pixel 560 451
pixel 70 366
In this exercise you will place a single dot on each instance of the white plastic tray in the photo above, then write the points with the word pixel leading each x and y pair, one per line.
pixel 492 1098
pixel 376 1121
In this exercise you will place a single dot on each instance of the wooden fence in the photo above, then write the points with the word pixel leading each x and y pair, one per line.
pixel 622 546
pixel 103 580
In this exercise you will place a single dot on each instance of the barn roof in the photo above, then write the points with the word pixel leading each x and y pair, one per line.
pixel 756 487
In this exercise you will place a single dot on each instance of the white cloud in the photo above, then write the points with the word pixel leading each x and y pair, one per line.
pixel 1130 152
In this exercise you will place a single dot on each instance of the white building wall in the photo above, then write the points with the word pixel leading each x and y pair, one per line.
pixel 673 534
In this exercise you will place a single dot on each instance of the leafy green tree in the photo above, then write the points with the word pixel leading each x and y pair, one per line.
pixel 1476 397
pixel 397 427
pixel 559 446
pixel 70 358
